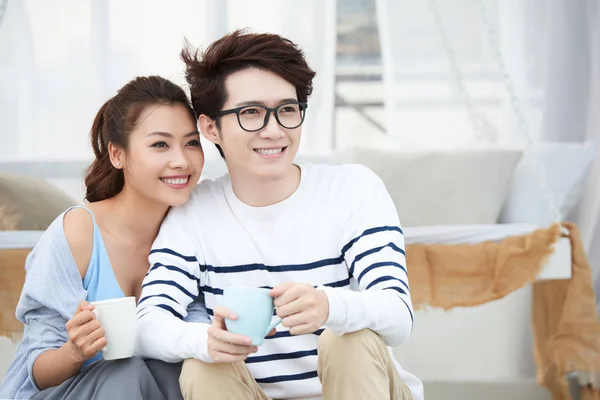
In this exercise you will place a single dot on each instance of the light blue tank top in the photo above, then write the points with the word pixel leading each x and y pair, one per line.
pixel 99 280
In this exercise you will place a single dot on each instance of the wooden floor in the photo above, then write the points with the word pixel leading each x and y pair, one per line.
pixel 526 390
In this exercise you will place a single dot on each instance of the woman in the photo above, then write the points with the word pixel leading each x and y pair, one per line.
pixel 148 157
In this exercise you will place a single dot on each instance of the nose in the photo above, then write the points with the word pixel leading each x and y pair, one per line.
pixel 178 159
pixel 272 130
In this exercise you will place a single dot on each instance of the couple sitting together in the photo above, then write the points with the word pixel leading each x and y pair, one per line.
pixel 325 240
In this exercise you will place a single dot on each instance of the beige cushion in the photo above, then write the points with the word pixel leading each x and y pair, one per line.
pixel 28 203
pixel 12 277
pixel 444 186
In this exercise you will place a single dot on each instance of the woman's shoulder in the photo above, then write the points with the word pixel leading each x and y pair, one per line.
pixel 52 280
pixel 78 227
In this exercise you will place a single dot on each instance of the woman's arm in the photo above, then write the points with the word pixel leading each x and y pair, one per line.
pixel 55 366
pixel 86 336
pixel 86 339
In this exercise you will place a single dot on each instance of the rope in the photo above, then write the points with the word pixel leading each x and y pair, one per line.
pixel 478 120
pixel 517 108
pixel 3 5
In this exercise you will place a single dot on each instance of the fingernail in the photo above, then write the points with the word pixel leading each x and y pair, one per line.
pixel 254 349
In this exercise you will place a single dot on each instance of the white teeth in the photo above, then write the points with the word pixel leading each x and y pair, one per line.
pixel 178 181
pixel 267 152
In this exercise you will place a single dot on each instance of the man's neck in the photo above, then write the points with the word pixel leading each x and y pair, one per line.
pixel 262 192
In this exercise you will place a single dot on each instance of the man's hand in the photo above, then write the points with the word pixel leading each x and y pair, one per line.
pixel 301 307
pixel 224 346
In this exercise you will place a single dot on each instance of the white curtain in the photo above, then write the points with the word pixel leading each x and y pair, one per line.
pixel 423 97
pixel 61 59
pixel 558 58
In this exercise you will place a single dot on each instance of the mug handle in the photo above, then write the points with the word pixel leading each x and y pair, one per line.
pixel 276 321
pixel 95 312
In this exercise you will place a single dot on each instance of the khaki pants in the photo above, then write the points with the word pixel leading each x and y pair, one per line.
pixel 353 366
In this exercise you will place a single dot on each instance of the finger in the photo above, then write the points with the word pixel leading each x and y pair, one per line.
pixel 296 320
pixel 302 329
pixel 95 335
pixel 82 318
pixel 82 306
pixel 292 293
pixel 291 308
pixel 97 345
pixel 228 358
pixel 84 330
pixel 219 322
pixel 273 331
pixel 278 290
pixel 233 338
pixel 229 348
pixel 224 312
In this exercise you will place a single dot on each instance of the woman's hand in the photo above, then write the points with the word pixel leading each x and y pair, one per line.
pixel 86 336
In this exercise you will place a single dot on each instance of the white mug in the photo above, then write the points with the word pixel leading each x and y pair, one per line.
pixel 117 317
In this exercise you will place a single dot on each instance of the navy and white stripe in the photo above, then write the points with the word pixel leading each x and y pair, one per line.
pixel 170 284
pixel 205 247
pixel 378 261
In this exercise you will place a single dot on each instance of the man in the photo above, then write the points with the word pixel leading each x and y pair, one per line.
pixel 326 239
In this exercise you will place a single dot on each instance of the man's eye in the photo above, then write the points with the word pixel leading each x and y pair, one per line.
pixel 250 111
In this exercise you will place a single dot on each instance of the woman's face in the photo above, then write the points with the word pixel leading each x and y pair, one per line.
pixel 165 158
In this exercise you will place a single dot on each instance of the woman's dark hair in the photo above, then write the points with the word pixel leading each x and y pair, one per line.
pixel 114 122
pixel 206 72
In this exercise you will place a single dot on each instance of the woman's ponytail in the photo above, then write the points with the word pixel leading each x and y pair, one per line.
pixel 102 179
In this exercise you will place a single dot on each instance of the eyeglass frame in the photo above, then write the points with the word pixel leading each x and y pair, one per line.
pixel 236 111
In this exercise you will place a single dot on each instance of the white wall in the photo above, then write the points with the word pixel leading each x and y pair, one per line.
pixel 492 342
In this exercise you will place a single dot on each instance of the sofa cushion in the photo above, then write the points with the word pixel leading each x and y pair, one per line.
pixel 28 203
pixel 454 186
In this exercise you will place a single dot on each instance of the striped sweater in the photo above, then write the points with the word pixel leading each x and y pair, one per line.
pixel 339 231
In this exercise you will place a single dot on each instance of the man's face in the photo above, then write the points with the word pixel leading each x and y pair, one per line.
pixel 269 152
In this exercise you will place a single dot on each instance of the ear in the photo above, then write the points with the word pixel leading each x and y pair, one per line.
pixel 117 156
pixel 208 127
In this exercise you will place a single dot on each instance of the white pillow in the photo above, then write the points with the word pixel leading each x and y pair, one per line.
pixel 444 186
pixel 566 166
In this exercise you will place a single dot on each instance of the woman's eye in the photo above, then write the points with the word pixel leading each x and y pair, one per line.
pixel 159 145
pixel 194 143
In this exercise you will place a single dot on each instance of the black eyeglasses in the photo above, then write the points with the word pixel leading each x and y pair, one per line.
pixel 253 118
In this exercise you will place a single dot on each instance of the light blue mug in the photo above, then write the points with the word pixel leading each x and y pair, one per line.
pixel 254 308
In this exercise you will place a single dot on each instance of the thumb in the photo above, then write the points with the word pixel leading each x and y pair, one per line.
pixel 83 305
pixel 219 322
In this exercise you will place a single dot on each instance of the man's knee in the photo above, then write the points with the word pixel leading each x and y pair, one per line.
pixel 198 374
pixel 330 343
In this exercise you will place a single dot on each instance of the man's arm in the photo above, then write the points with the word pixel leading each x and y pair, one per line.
pixel 169 287
pixel 375 256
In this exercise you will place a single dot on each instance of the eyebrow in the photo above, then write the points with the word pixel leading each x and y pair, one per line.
pixel 262 103
pixel 167 134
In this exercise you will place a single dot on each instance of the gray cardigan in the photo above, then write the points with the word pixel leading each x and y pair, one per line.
pixel 53 289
